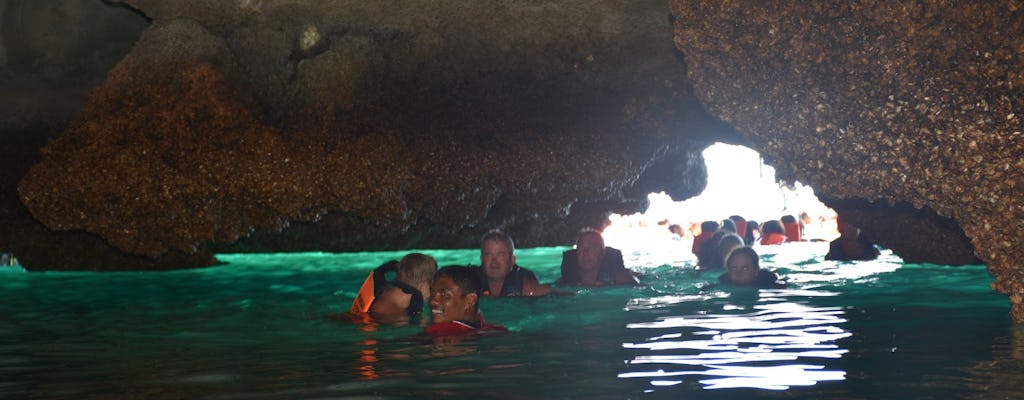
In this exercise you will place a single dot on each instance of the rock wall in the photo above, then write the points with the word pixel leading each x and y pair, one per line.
pixel 343 125
pixel 350 124
pixel 893 102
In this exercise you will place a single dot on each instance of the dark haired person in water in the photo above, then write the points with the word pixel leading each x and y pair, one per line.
pixel 792 228
pixel 743 268
pixel 454 303
pixel 752 234
pixel 851 245
pixel 591 263
pixel 707 230
pixel 709 257
pixel 500 275
pixel 772 232
pixel 741 225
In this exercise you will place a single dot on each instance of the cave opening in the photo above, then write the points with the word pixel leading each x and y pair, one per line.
pixel 738 183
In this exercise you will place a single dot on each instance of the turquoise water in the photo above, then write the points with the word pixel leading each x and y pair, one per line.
pixel 255 328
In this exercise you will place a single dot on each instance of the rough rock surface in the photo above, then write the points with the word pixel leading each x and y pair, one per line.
pixel 415 123
pixel 341 125
pixel 914 102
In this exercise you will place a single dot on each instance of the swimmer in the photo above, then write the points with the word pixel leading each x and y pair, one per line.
pixel 454 303
pixel 726 245
pixel 772 233
pixel 743 268
pixel 500 275
pixel 403 297
pixel 709 257
pixel 851 245
pixel 707 229
pixel 591 263
pixel 793 230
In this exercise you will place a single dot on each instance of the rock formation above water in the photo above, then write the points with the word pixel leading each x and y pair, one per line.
pixel 340 125
pixel 910 102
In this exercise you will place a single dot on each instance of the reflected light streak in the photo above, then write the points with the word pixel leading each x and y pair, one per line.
pixel 745 350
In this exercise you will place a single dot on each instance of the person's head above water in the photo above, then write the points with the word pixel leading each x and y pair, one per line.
pixel 589 249
pixel 497 255
pixel 454 294
pixel 742 266
pixel 728 225
pixel 709 227
pixel 727 244
pixel 416 269
pixel 772 226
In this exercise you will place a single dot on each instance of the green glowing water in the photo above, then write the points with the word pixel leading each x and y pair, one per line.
pixel 255 329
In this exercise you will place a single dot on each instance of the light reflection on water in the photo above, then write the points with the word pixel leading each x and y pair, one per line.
pixel 748 338
pixel 775 346
pixel 255 328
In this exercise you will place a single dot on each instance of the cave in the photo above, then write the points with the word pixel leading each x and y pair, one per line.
pixel 148 135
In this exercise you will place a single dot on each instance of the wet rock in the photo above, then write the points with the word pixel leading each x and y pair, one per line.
pixel 893 102
pixel 359 125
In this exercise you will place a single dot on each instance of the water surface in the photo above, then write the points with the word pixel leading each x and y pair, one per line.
pixel 255 328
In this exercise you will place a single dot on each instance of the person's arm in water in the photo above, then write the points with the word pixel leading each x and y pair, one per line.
pixel 390 305
pixel 531 287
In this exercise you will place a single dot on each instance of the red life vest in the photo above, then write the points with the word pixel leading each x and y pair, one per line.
pixel 793 233
pixel 458 328
pixel 773 238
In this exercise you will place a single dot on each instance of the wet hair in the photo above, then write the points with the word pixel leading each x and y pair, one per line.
pixel 788 219
pixel 708 256
pixel 727 239
pixel 499 236
pixel 709 226
pixel 466 278
pixel 772 226
pixel 728 225
pixel 416 267
pixel 748 236
pixel 745 250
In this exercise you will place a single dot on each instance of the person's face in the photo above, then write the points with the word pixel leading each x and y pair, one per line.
pixel 741 269
pixel 589 251
pixel 497 259
pixel 448 303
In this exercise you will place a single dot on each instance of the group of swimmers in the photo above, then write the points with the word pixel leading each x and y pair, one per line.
pixel 720 245
pixel 453 292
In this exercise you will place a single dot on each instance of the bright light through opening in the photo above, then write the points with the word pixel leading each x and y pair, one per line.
pixel 738 184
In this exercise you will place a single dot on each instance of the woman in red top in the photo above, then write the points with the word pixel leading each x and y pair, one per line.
pixel 454 300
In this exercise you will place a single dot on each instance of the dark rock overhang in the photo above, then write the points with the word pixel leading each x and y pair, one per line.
pixel 263 125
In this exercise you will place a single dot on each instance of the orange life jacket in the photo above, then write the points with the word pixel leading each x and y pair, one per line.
pixel 372 287
pixel 773 238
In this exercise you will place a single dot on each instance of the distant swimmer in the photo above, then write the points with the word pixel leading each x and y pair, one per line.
pixel 772 233
pixel 743 268
pixel 499 273
pixel 851 245
pixel 707 229
pixel 794 232
pixel 454 303
pixel 397 300
pixel 592 263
